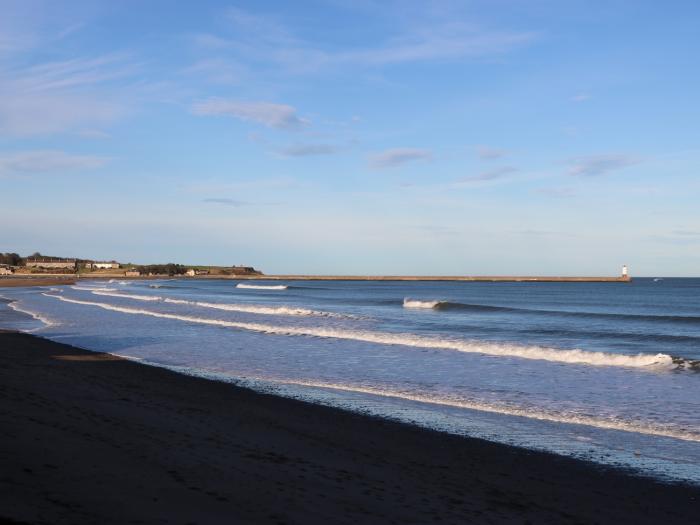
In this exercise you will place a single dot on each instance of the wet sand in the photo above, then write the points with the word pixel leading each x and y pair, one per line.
pixel 91 438
pixel 14 282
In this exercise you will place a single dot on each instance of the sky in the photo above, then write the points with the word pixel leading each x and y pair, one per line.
pixel 355 136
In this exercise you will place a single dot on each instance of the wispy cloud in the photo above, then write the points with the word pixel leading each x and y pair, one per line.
pixel 307 150
pixel 226 202
pixel 687 233
pixel 395 157
pixel 234 203
pixel 559 193
pixel 545 233
pixel 580 97
pixel 277 116
pixel 60 96
pixel 595 165
pixel 489 153
pixel 266 38
pixel 219 71
pixel 45 161
pixel 497 173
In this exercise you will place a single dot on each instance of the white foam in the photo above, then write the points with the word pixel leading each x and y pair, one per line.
pixel 639 427
pixel 253 309
pixel 93 288
pixel 108 292
pixel 262 286
pixel 47 322
pixel 414 303
pixel 579 357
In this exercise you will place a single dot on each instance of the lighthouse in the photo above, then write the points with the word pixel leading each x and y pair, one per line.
pixel 624 271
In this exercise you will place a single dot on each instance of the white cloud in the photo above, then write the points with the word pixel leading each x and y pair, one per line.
pixel 595 165
pixel 392 158
pixel 278 116
pixel 45 161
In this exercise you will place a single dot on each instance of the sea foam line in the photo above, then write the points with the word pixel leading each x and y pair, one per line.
pixel 262 286
pixel 501 350
pixel 638 427
pixel 252 309
pixel 267 310
pixel 47 322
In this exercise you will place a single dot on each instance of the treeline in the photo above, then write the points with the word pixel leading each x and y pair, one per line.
pixel 11 259
pixel 14 259
pixel 162 269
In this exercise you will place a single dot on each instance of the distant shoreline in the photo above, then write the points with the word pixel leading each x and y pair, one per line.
pixel 56 279
pixel 485 278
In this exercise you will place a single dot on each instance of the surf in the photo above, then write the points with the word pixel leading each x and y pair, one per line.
pixel 575 357
pixel 638 427
pixel 262 286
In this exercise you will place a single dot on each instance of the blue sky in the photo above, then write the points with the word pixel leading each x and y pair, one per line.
pixel 338 136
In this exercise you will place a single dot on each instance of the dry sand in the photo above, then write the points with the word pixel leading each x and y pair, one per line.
pixel 90 438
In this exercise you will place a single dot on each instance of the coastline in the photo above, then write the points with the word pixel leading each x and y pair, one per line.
pixel 50 279
pixel 84 432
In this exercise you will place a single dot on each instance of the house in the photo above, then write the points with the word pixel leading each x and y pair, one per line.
pixel 51 263
pixel 104 265
pixel 191 272
pixel 132 273
pixel 6 270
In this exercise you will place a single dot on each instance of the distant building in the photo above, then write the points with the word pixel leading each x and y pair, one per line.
pixel 132 273
pixel 102 265
pixel 51 263
pixel 6 270
pixel 624 271
pixel 191 272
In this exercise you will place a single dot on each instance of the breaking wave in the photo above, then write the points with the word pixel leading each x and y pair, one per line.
pixel 244 308
pixel 579 357
pixel 93 289
pixel 253 309
pixel 415 303
pixel 38 317
pixel 262 286
pixel 111 293
pixel 639 427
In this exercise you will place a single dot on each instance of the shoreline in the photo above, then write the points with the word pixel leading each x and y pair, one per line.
pixel 190 448
pixel 72 279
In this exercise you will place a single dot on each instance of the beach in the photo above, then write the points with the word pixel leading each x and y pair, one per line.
pixel 92 438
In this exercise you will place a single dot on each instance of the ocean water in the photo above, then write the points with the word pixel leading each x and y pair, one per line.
pixel 609 372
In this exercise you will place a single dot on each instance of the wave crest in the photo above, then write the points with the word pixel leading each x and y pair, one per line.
pixel 262 286
pixel 576 357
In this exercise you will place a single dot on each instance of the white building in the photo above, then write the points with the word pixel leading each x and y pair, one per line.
pixel 105 265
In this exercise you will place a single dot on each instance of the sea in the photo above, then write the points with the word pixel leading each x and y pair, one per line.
pixel 607 372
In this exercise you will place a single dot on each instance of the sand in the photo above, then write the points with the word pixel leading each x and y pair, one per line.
pixel 91 438
pixel 13 282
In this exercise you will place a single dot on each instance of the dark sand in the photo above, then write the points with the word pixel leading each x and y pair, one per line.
pixel 91 438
